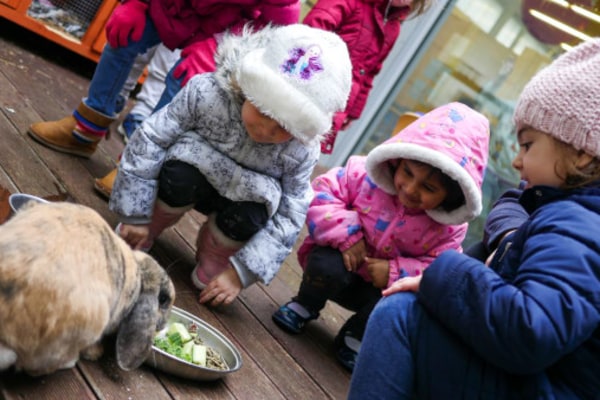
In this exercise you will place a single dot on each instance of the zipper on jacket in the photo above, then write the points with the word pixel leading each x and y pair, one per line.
pixel 387 10
pixel 506 248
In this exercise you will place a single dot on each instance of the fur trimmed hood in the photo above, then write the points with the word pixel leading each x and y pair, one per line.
pixel 453 138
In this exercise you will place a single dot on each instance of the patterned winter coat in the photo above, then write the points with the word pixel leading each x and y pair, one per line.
pixel 202 126
pixel 535 311
pixel 370 29
pixel 359 201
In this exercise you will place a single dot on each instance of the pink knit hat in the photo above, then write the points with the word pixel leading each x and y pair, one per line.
pixel 563 99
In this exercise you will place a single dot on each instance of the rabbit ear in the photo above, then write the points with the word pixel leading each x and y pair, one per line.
pixel 136 332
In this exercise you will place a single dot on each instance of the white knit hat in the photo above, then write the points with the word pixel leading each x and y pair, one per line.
pixel 300 78
pixel 563 99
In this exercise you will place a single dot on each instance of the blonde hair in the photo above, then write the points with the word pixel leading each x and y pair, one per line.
pixel 574 177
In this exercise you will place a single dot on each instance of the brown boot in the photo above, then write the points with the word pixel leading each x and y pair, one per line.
pixel 65 135
pixel 104 185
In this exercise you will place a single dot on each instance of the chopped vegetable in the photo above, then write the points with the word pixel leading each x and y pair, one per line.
pixel 186 344
pixel 199 354
pixel 178 329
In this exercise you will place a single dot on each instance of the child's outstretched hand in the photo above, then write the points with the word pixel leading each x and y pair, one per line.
pixel 379 271
pixel 135 235
pixel 126 23
pixel 222 290
pixel 355 255
pixel 408 284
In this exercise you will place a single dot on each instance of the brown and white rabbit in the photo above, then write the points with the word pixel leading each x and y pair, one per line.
pixel 66 280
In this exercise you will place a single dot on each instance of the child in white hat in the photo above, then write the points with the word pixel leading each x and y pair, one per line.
pixel 527 325
pixel 238 145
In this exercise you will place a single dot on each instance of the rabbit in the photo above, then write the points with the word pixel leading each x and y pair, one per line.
pixel 66 281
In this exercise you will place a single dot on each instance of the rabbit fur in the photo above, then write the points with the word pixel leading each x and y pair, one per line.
pixel 66 281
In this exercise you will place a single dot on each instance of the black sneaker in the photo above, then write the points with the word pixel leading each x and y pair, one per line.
pixel 289 320
pixel 346 350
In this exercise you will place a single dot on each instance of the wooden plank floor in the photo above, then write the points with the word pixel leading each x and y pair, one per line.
pixel 41 81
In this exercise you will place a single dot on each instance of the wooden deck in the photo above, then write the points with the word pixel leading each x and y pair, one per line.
pixel 41 81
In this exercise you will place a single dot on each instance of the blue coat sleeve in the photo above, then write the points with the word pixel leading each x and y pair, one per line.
pixel 506 215
pixel 543 304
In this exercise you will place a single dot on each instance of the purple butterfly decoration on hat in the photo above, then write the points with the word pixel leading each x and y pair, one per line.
pixel 303 62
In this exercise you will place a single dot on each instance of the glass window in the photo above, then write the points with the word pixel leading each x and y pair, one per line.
pixel 483 13
pixel 482 54
pixel 479 52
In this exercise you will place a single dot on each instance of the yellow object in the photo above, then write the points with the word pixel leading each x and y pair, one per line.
pixel 404 120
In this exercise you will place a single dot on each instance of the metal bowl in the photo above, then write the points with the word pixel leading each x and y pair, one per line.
pixel 211 337
pixel 18 200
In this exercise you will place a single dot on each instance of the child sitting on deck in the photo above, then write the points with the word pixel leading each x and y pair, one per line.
pixel 388 215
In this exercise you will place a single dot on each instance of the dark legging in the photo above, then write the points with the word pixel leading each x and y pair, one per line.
pixel 326 278
pixel 182 184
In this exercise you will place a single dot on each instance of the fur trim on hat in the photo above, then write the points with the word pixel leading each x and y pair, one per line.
pixel 297 75
pixel 278 98
pixel 452 138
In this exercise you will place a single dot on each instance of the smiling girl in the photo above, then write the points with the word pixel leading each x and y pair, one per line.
pixel 387 216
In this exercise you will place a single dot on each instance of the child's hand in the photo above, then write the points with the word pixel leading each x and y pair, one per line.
pixel 379 271
pixel 355 255
pixel 223 289
pixel 126 22
pixel 135 235
pixel 408 284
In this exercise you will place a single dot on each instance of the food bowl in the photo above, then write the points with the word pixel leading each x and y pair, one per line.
pixel 171 364
pixel 18 200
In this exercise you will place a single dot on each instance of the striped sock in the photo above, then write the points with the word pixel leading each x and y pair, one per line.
pixel 87 132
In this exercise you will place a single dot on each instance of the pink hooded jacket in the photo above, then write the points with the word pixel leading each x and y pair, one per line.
pixel 359 200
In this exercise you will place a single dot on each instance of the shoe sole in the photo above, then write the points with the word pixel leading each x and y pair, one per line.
pixel 41 140
pixel 102 190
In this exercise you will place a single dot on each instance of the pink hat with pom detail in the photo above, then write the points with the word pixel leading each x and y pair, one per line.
pixel 453 138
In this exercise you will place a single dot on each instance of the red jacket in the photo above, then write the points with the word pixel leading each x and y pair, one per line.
pixel 183 22
pixel 369 28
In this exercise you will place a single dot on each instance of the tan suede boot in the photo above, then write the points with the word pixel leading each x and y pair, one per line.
pixel 64 135
pixel 105 184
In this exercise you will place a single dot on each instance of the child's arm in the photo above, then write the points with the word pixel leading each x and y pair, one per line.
pixel 438 239
pixel 264 253
pixel 543 307
pixel 331 219
pixel 136 185
pixel 379 270
pixel 355 255
pixel 328 15
pixel 222 290
pixel 135 235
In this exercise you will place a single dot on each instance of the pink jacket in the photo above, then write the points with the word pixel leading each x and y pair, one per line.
pixel 184 22
pixel 370 29
pixel 359 200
